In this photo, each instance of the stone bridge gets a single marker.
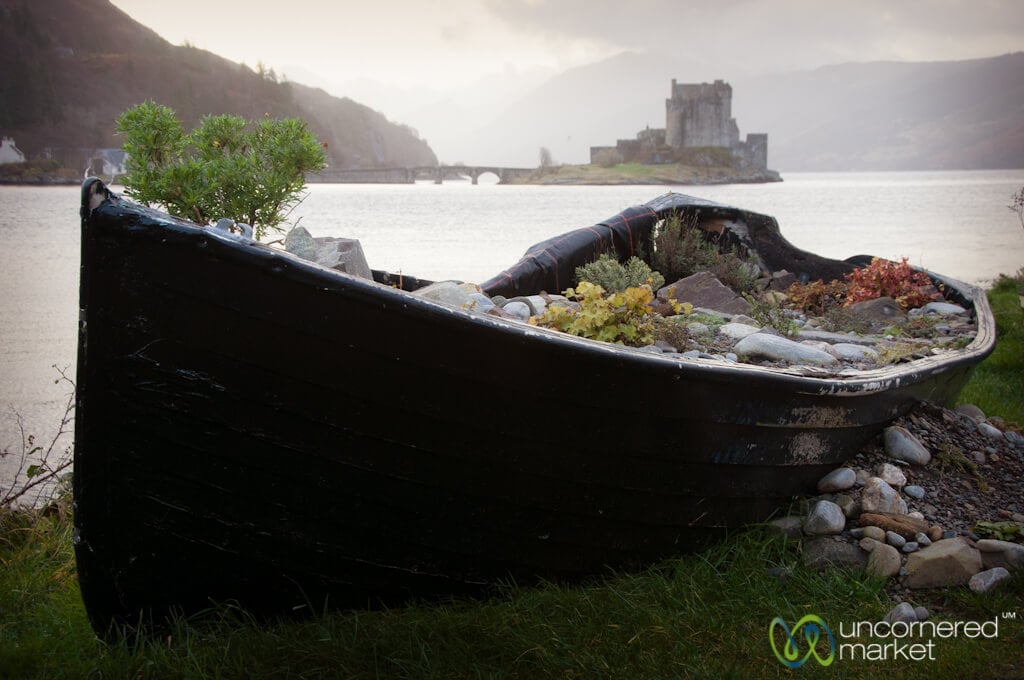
(438, 173)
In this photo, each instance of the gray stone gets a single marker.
(878, 496)
(943, 309)
(922, 539)
(894, 539)
(874, 533)
(834, 338)
(910, 546)
(344, 255)
(790, 526)
(450, 293)
(846, 351)
(884, 561)
(1015, 438)
(949, 562)
(862, 477)
(866, 544)
(901, 613)
(880, 310)
(737, 331)
(706, 291)
(891, 475)
(902, 445)
(914, 491)
(1001, 554)
(775, 348)
(849, 504)
(839, 479)
(990, 431)
(921, 613)
(697, 328)
(478, 302)
(971, 411)
(781, 280)
(823, 552)
(519, 310)
(300, 242)
(984, 581)
(825, 518)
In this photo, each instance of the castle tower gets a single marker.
(700, 115)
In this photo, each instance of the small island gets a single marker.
(700, 144)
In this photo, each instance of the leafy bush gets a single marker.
(625, 317)
(817, 297)
(250, 172)
(885, 278)
(615, 277)
(681, 249)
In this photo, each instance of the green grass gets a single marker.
(699, 616)
(995, 386)
(703, 615)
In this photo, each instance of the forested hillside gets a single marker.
(70, 67)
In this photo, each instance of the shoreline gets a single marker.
(640, 174)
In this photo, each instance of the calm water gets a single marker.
(955, 223)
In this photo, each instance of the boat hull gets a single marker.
(253, 428)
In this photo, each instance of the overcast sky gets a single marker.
(454, 42)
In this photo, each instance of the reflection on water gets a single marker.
(956, 223)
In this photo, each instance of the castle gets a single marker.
(696, 116)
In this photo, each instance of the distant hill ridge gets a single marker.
(954, 115)
(70, 67)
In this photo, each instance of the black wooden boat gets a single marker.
(258, 429)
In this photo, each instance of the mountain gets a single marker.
(870, 116)
(72, 66)
(891, 115)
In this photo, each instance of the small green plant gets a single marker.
(842, 320)
(885, 278)
(41, 470)
(1001, 531)
(625, 318)
(920, 326)
(950, 456)
(898, 352)
(769, 313)
(1017, 205)
(251, 172)
(616, 277)
(681, 248)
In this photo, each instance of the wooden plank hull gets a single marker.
(254, 428)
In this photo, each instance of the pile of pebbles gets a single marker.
(910, 506)
(722, 329)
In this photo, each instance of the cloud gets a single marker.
(765, 35)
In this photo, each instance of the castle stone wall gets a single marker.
(696, 115)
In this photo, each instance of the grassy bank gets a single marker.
(702, 615)
(995, 386)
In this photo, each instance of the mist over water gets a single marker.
(954, 223)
